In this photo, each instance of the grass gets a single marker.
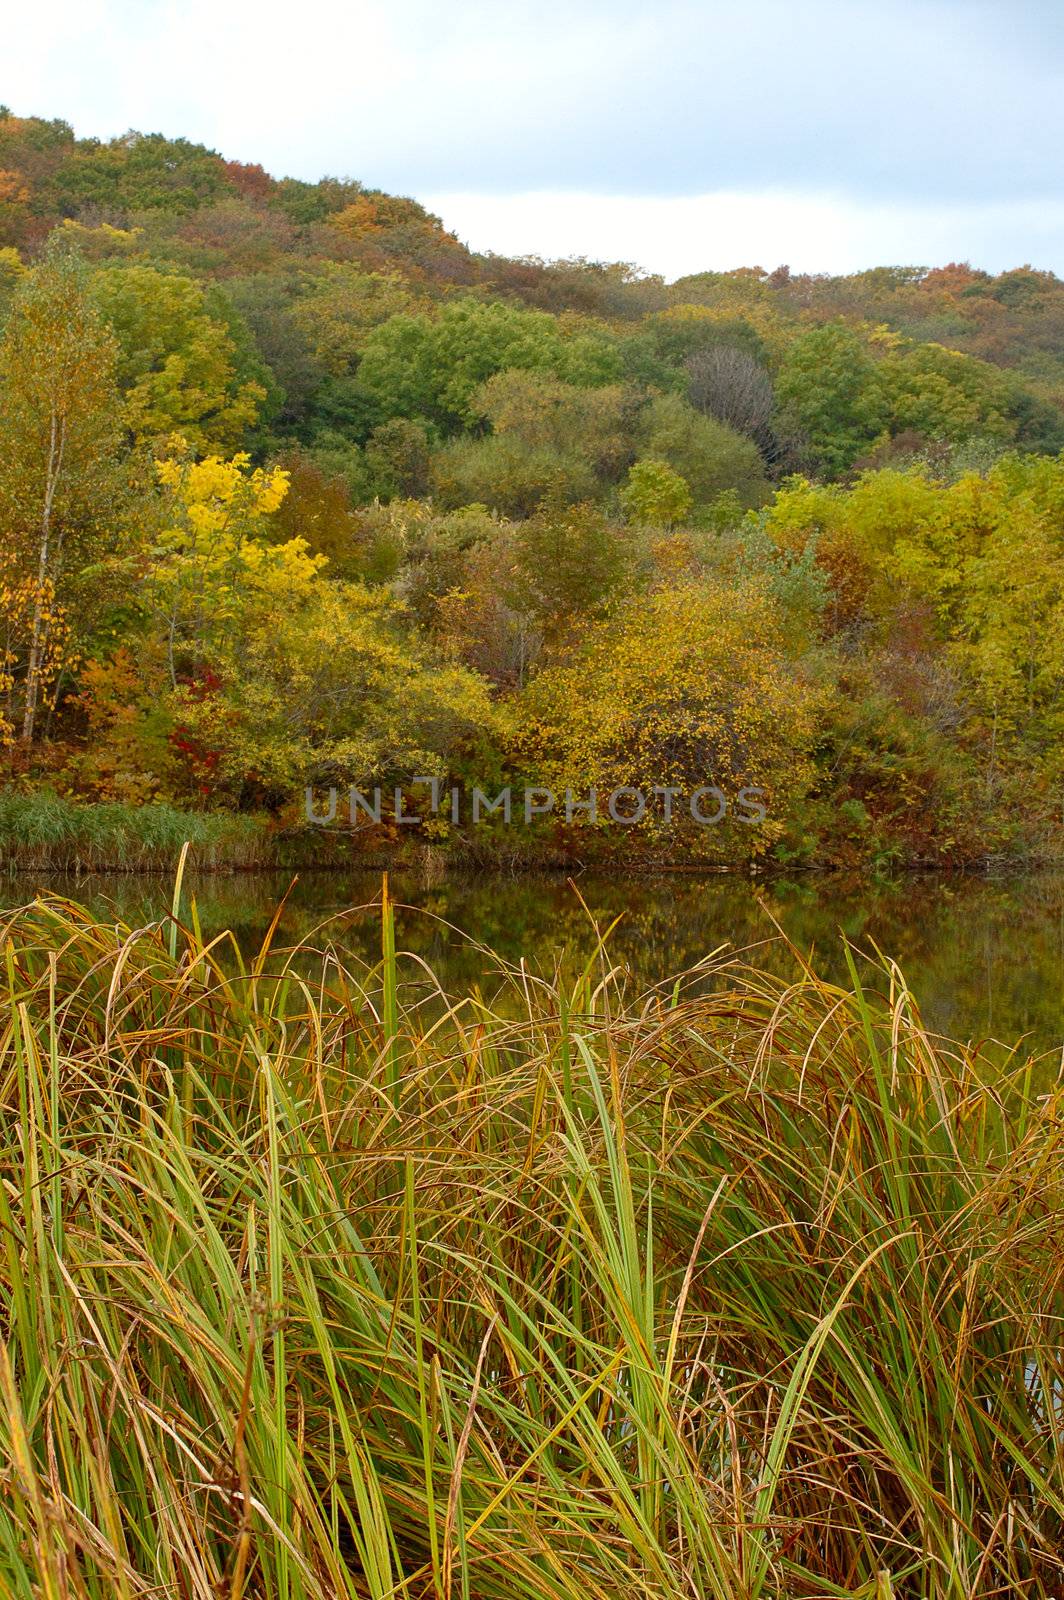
(317, 1283)
(46, 832)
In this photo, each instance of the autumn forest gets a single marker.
(296, 490)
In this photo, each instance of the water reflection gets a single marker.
(985, 956)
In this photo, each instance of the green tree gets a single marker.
(398, 458)
(943, 394)
(655, 494)
(830, 390)
(266, 303)
(711, 457)
(178, 364)
(569, 562)
(431, 367)
(338, 307)
(141, 172)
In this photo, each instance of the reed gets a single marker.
(46, 832)
(317, 1282)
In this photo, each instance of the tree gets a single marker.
(398, 458)
(211, 547)
(728, 383)
(543, 412)
(711, 457)
(432, 366)
(830, 390)
(507, 475)
(655, 495)
(141, 172)
(683, 331)
(317, 508)
(569, 562)
(319, 682)
(686, 687)
(987, 552)
(852, 534)
(339, 306)
(11, 270)
(59, 436)
(178, 366)
(943, 394)
(263, 675)
(267, 303)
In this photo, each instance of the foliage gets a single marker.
(830, 392)
(59, 487)
(177, 366)
(208, 552)
(510, 476)
(327, 687)
(427, 453)
(317, 509)
(419, 365)
(544, 413)
(710, 456)
(655, 495)
(569, 562)
(687, 687)
(141, 172)
(340, 305)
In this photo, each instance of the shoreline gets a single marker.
(984, 866)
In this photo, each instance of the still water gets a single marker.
(983, 955)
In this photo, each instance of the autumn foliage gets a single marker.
(296, 489)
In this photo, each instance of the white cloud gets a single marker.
(810, 233)
(817, 133)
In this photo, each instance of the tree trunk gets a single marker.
(39, 630)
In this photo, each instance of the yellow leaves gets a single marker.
(178, 363)
(287, 567)
(212, 549)
(11, 267)
(28, 610)
(883, 337)
(687, 686)
(211, 491)
(102, 239)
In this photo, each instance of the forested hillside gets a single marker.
(296, 489)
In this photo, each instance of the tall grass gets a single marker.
(44, 831)
(317, 1283)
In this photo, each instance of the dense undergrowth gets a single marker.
(317, 1282)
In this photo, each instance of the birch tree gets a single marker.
(59, 443)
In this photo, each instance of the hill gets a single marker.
(297, 489)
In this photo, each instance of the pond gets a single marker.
(984, 955)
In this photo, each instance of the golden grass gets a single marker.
(315, 1282)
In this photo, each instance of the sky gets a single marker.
(679, 135)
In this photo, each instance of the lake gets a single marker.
(983, 954)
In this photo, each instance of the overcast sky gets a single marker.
(676, 134)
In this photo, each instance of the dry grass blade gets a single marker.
(317, 1282)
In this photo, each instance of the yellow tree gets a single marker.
(692, 685)
(211, 546)
(59, 439)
